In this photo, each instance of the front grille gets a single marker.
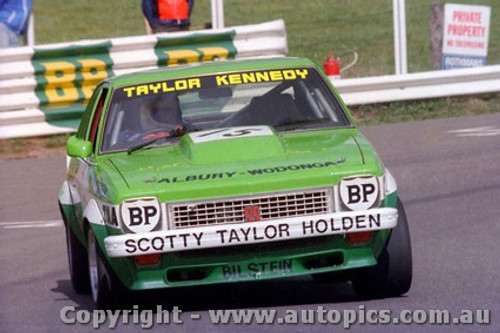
(243, 209)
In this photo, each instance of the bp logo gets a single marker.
(141, 215)
(359, 193)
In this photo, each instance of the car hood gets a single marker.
(240, 166)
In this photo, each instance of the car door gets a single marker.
(82, 171)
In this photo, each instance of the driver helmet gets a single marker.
(165, 112)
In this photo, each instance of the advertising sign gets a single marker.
(465, 40)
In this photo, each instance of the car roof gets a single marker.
(213, 67)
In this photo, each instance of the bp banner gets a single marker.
(465, 40)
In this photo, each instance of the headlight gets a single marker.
(141, 215)
(359, 193)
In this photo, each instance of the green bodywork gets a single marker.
(238, 167)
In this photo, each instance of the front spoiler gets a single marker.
(250, 233)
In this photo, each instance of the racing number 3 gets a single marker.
(230, 133)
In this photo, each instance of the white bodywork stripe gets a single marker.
(92, 213)
(390, 183)
(64, 194)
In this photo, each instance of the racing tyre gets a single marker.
(78, 263)
(330, 277)
(104, 285)
(392, 275)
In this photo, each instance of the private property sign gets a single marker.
(466, 31)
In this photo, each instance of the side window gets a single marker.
(94, 124)
(84, 122)
(83, 129)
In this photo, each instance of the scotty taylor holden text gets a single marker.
(258, 232)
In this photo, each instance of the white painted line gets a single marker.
(31, 224)
(477, 131)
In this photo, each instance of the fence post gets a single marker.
(217, 14)
(30, 34)
(436, 33)
(399, 17)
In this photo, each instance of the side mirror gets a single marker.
(78, 148)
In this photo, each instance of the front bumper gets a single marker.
(250, 233)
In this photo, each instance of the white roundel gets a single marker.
(141, 215)
(359, 193)
(230, 133)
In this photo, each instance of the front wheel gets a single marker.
(103, 283)
(392, 275)
(78, 262)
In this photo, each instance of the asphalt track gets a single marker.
(448, 174)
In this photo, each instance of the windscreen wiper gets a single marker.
(298, 124)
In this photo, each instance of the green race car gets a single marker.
(228, 171)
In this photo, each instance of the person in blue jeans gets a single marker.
(14, 17)
(167, 15)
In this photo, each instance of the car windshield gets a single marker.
(286, 99)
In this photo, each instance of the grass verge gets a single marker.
(426, 109)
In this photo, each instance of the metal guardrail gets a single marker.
(424, 85)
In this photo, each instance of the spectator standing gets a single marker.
(167, 15)
(14, 17)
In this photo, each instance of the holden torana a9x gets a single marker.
(227, 172)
